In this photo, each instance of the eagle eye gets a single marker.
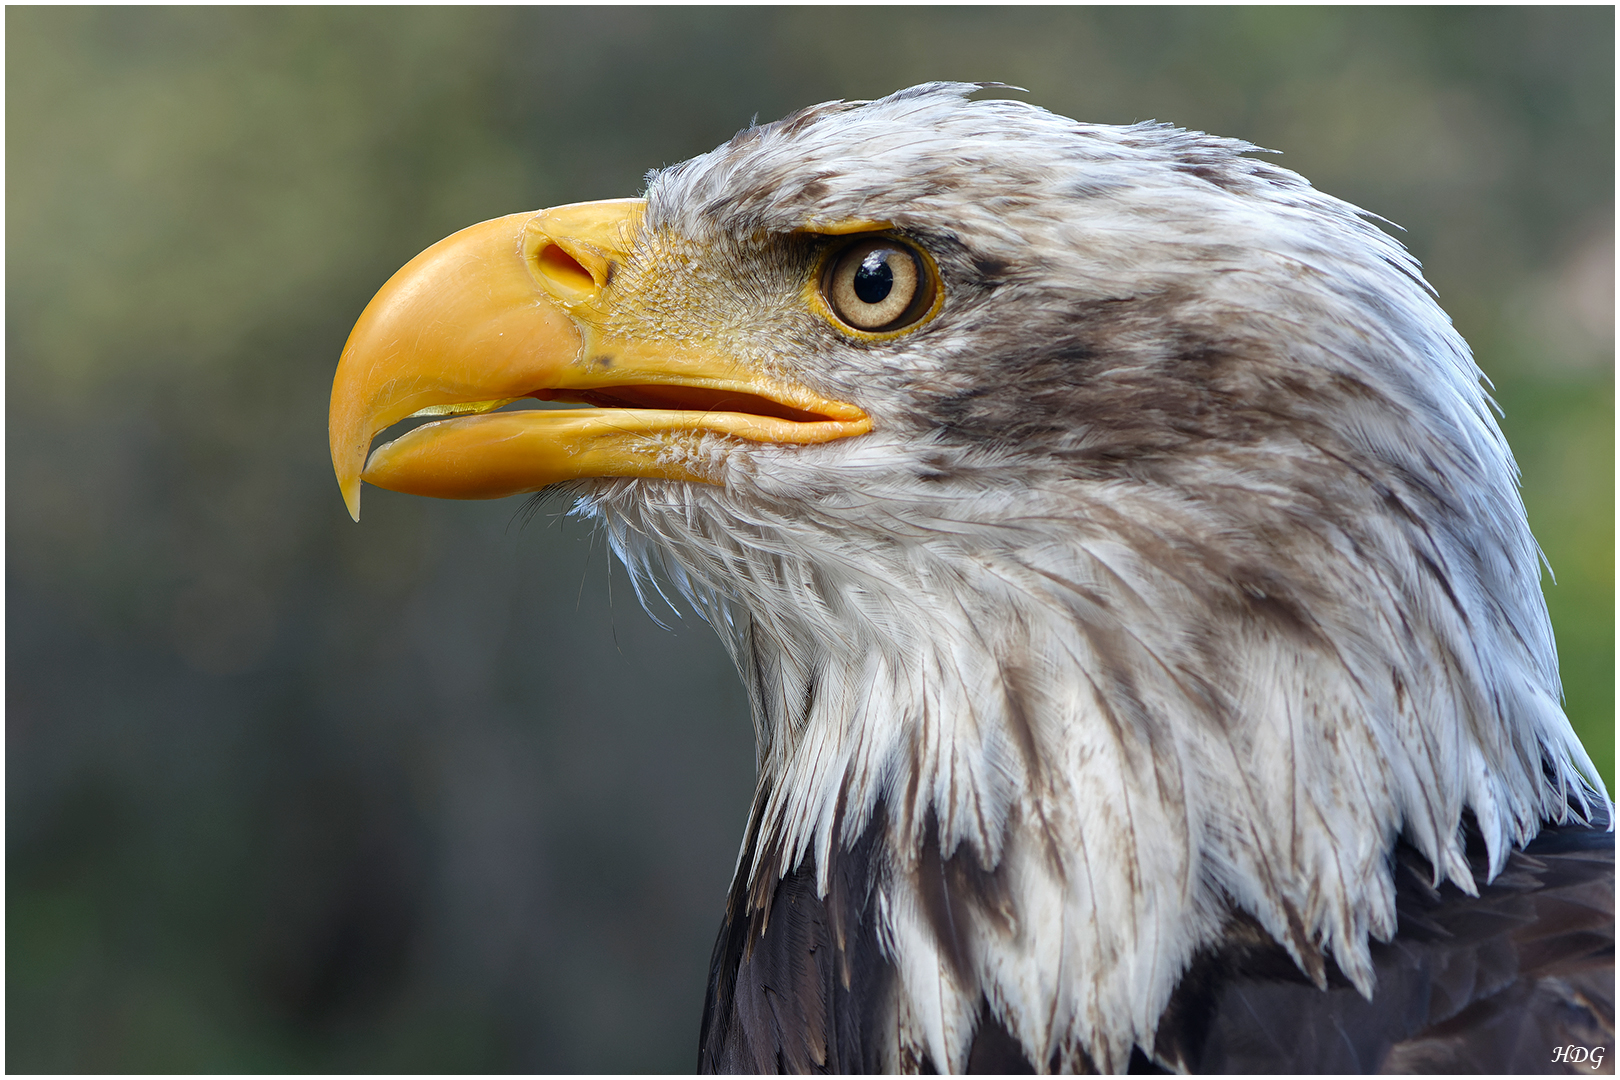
(878, 285)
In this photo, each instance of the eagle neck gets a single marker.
(1092, 748)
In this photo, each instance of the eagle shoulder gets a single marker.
(1491, 983)
(799, 982)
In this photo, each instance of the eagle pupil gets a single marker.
(874, 279)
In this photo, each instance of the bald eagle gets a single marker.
(1140, 621)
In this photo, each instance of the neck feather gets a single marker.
(1119, 741)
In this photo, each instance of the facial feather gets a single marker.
(1183, 570)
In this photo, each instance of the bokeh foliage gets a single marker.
(432, 793)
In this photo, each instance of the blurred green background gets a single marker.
(431, 792)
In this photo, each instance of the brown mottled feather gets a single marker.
(800, 985)
(1486, 984)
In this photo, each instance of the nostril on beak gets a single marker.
(565, 272)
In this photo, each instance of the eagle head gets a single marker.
(1110, 529)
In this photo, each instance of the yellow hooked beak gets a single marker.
(525, 306)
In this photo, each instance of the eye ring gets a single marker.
(878, 285)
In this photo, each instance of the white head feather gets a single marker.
(1183, 571)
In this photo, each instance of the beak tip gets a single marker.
(351, 497)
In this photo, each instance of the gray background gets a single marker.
(431, 792)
